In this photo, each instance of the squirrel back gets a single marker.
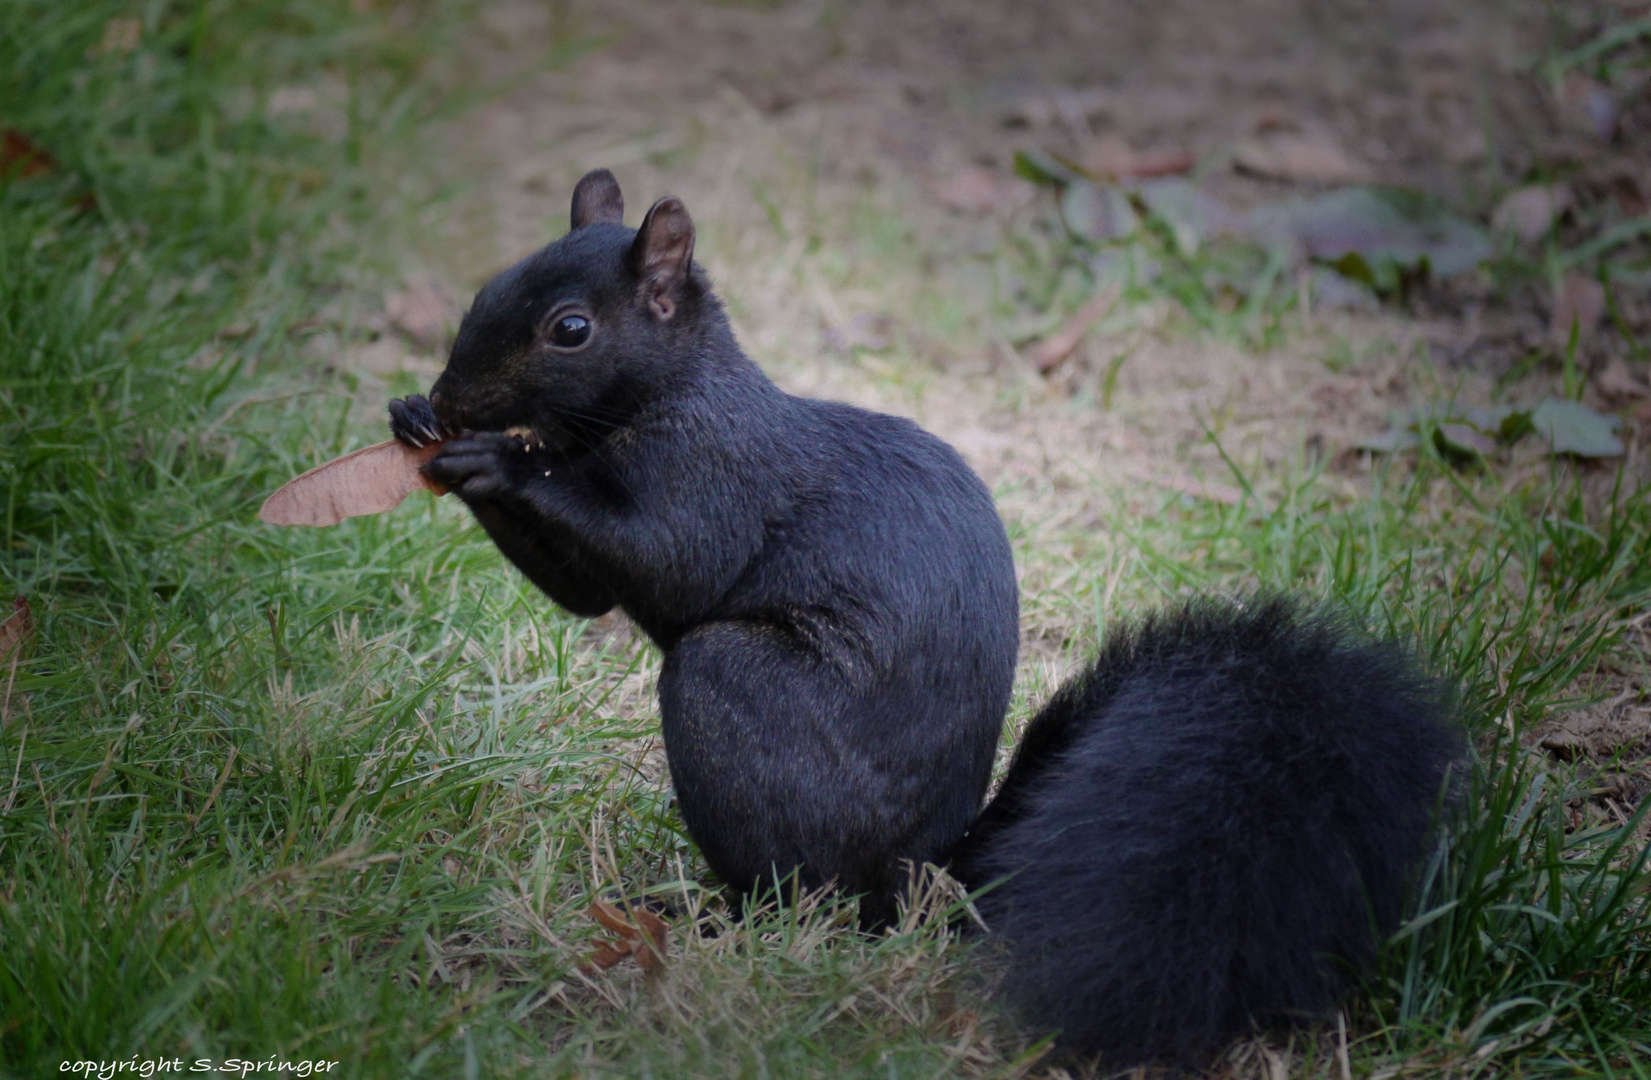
(1209, 829)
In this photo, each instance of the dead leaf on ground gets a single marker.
(1579, 301)
(1529, 212)
(1373, 234)
(1589, 105)
(15, 634)
(1059, 345)
(421, 313)
(1600, 732)
(1571, 427)
(22, 156)
(1098, 212)
(1270, 116)
(1467, 437)
(1113, 157)
(979, 190)
(1629, 188)
(1193, 215)
(1624, 178)
(17, 629)
(369, 481)
(1617, 381)
(647, 938)
(119, 36)
(1313, 158)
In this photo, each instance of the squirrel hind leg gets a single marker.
(785, 765)
(1211, 828)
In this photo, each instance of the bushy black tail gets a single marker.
(1209, 829)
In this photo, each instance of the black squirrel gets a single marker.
(1209, 829)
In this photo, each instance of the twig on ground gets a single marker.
(1049, 353)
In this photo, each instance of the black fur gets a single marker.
(831, 588)
(1211, 828)
(1191, 831)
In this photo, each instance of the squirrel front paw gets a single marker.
(413, 422)
(480, 465)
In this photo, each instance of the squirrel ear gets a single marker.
(661, 255)
(596, 200)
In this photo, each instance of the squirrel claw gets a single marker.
(413, 422)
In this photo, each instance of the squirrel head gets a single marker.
(583, 333)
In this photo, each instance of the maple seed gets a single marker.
(368, 481)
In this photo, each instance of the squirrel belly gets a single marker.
(1209, 829)
(1212, 828)
(837, 716)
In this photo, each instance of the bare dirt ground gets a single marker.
(814, 143)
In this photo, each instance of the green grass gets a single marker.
(1529, 946)
(346, 794)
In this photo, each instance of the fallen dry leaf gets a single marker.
(1099, 212)
(605, 957)
(1529, 212)
(22, 156)
(1589, 105)
(1388, 229)
(1579, 300)
(1459, 437)
(1629, 193)
(1059, 345)
(647, 939)
(16, 630)
(1617, 380)
(980, 190)
(15, 634)
(1600, 732)
(1271, 116)
(119, 36)
(1299, 157)
(1113, 157)
(368, 481)
(1624, 178)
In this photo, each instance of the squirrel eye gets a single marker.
(570, 331)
